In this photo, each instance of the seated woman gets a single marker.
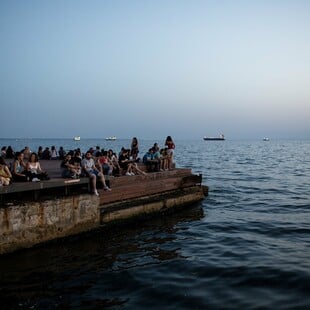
(5, 174)
(136, 170)
(19, 170)
(104, 163)
(34, 170)
(69, 168)
(114, 160)
(127, 165)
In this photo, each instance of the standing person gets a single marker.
(134, 148)
(170, 151)
(5, 174)
(88, 166)
(54, 154)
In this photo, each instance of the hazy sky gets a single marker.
(155, 68)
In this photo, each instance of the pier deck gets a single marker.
(131, 186)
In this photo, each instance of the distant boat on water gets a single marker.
(111, 138)
(220, 138)
(265, 139)
(77, 138)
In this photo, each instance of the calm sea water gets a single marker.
(246, 246)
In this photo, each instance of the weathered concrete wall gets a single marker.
(27, 224)
(152, 205)
(31, 223)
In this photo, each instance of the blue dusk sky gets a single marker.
(150, 69)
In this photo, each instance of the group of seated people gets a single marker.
(46, 153)
(22, 171)
(95, 164)
(157, 159)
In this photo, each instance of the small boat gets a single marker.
(220, 138)
(111, 138)
(265, 139)
(77, 138)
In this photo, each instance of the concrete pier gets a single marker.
(54, 212)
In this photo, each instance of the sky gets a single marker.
(149, 69)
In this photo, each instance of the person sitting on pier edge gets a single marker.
(5, 174)
(163, 159)
(88, 166)
(34, 170)
(104, 163)
(124, 162)
(171, 146)
(152, 164)
(19, 171)
(136, 170)
(128, 164)
(114, 161)
(156, 158)
(69, 168)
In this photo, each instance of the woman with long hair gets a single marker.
(35, 172)
(170, 151)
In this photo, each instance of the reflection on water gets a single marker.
(59, 272)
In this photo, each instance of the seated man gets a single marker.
(69, 168)
(89, 168)
(152, 163)
(156, 159)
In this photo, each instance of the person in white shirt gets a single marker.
(89, 167)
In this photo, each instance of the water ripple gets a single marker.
(246, 246)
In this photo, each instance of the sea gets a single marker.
(245, 246)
